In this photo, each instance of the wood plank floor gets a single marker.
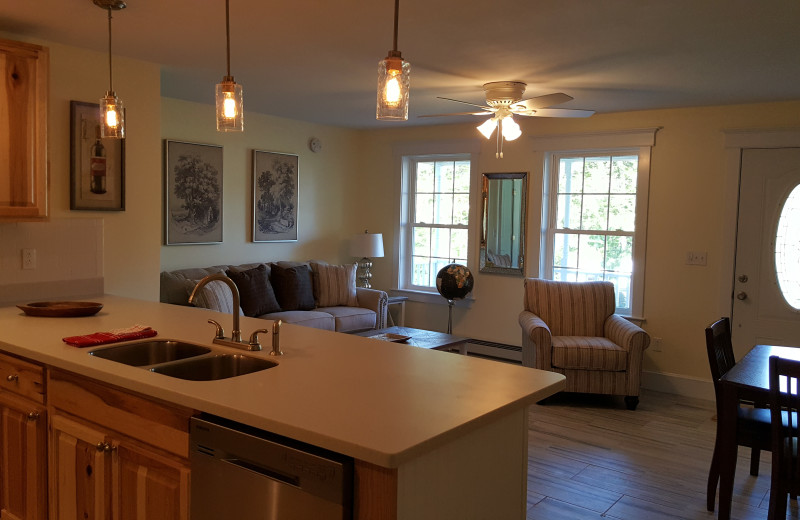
(590, 458)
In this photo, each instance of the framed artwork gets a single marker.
(192, 193)
(275, 184)
(97, 166)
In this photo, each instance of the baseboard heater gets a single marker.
(494, 349)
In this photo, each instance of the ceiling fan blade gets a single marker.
(485, 113)
(547, 100)
(561, 112)
(484, 107)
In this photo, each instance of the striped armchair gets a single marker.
(571, 328)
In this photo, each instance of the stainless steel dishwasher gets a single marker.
(248, 474)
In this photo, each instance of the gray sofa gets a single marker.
(368, 312)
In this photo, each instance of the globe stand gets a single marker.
(450, 304)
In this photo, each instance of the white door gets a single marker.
(766, 303)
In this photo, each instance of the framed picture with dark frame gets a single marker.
(97, 165)
(192, 193)
(275, 197)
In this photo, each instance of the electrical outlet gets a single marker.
(655, 344)
(696, 257)
(29, 259)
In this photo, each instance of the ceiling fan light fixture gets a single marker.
(510, 128)
(394, 81)
(487, 127)
(112, 114)
(229, 98)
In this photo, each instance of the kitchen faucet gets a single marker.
(236, 334)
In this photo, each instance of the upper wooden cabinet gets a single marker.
(23, 130)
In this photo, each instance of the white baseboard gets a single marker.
(677, 384)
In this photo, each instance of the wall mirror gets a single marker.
(503, 223)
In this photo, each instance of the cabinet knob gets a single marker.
(105, 446)
(742, 296)
(33, 416)
(12, 377)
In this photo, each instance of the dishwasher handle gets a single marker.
(265, 472)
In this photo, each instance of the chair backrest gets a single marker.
(720, 350)
(570, 308)
(784, 401)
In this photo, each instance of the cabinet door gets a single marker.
(23, 464)
(148, 485)
(80, 471)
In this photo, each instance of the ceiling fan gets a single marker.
(504, 100)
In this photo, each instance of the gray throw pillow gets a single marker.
(255, 291)
(293, 287)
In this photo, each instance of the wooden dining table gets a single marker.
(748, 380)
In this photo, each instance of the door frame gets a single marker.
(735, 142)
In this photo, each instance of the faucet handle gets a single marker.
(254, 343)
(220, 333)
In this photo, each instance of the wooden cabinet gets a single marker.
(23, 130)
(23, 441)
(114, 454)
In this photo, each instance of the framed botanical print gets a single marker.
(97, 165)
(275, 198)
(192, 193)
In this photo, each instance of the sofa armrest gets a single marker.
(537, 341)
(627, 335)
(375, 300)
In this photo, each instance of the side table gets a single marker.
(400, 301)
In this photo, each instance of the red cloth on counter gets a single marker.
(113, 336)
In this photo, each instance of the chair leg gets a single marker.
(755, 456)
(713, 481)
(631, 401)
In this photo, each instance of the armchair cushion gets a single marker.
(588, 353)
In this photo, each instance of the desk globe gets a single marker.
(454, 282)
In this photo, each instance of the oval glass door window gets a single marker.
(787, 249)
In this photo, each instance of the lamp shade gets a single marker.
(367, 245)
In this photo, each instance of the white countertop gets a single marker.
(384, 403)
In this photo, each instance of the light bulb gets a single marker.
(111, 117)
(229, 106)
(391, 93)
(511, 129)
(488, 127)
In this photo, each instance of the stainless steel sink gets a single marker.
(209, 368)
(150, 352)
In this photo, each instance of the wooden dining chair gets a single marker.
(754, 422)
(784, 406)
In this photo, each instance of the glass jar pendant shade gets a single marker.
(394, 80)
(229, 100)
(112, 113)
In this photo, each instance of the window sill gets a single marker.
(430, 297)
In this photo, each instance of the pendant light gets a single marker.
(393, 82)
(112, 113)
(230, 109)
(508, 129)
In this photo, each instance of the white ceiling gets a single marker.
(316, 60)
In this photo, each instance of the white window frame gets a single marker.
(405, 155)
(636, 142)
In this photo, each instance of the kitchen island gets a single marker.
(446, 434)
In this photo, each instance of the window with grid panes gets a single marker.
(437, 226)
(592, 223)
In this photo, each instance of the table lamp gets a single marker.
(367, 246)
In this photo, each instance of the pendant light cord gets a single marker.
(110, 75)
(396, 15)
(228, 35)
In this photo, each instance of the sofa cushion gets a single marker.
(334, 284)
(588, 353)
(351, 319)
(214, 295)
(255, 291)
(293, 287)
(315, 319)
(173, 283)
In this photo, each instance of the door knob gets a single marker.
(741, 296)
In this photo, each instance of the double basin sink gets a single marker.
(183, 360)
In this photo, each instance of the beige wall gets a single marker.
(686, 210)
(131, 252)
(327, 218)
